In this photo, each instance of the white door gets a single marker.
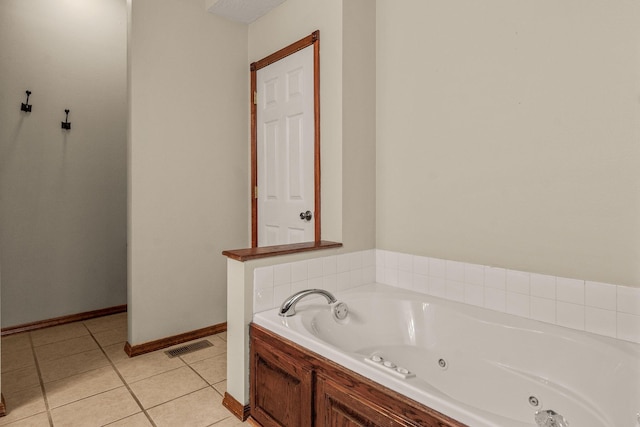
(285, 150)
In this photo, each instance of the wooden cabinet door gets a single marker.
(281, 388)
(337, 406)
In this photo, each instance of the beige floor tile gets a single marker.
(222, 338)
(140, 367)
(17, 359)
(23, 404)
(218, 347)
(167, 386)
(39, 420)
(96, 410)
(105, 323)
(221, 387)
(111, 336)
(53, 370)
(19, 379)
(201, 408)
(83, 389)
(16, 342)
(115, 352)
(65, 348)
(213, 369)
(137, 420)
(80, 386)
(58, 333)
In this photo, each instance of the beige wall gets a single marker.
(347, 96)
(508, 134)
(347, 113)
(358, 124)
(62, 194)
(289, 22)
(188, 174)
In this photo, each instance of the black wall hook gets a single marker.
(66, 125)
(25, 105)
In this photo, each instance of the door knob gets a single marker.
(306, 216)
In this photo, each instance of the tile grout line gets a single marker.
(201, 377)
(177, 397)
(208, 385)
(186, 364)
(124, 382)
(41, 381)
(135, 398)
(180, 397)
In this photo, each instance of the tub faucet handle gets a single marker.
(550, 418)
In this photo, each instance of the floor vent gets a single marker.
(189, 348)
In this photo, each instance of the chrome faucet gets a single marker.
(288, 307)
(550, 418)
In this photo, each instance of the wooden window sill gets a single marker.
(271, 251)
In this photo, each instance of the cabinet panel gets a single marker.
(338, 407)
(285, 388)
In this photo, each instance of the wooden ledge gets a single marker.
(271, 251)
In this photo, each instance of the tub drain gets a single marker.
(442, 363)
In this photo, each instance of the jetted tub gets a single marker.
(480, 367)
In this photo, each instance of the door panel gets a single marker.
(295, 138)
(270, 163)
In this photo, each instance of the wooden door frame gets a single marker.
(311, 40)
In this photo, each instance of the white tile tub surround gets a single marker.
(273, 284)
(600, 308)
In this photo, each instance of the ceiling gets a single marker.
(245, 11)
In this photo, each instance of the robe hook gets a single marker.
(26, 107)
(66, 125)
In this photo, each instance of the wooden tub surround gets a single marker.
(291, 386)
(236, 407)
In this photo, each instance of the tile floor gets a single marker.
(79, 375)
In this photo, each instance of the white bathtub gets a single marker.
(495, 364)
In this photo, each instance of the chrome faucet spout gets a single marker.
(288, 307)
(550, 418)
